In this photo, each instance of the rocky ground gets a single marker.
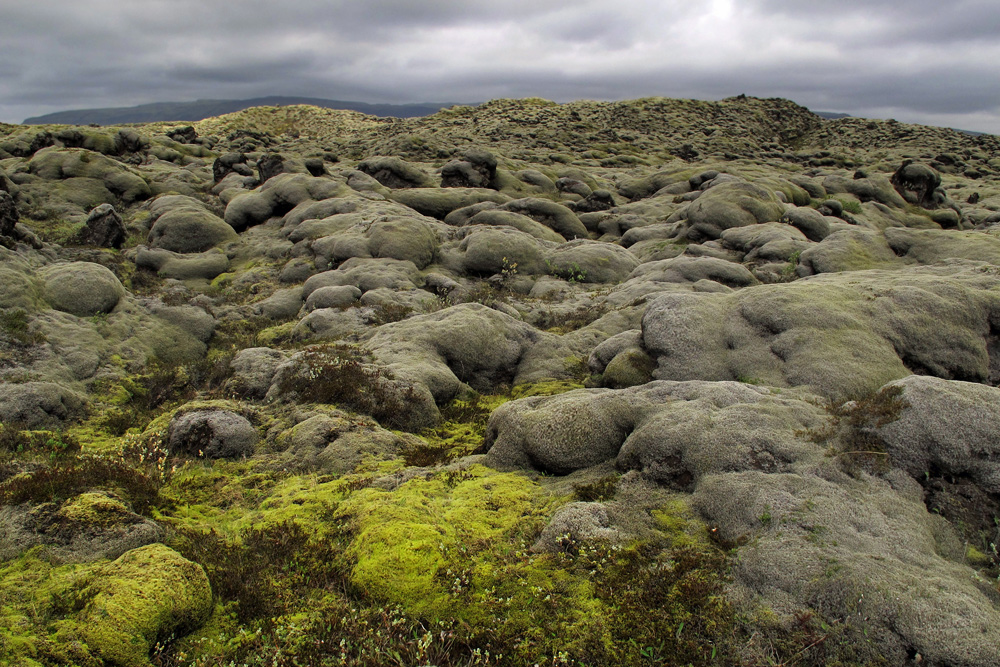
(653, 382)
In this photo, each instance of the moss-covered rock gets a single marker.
(146, 595)
(65, 163)
(591, 262)
(866, 330)
(183, 224)
(82, 288)
(439, 202)
(730, 204)
(38, 404)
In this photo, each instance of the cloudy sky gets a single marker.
(921, 61)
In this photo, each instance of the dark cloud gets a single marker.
(922, 59)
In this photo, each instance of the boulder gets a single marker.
(212, 434)
(841, 335)
(88, 527)
(366, 274)
(497, 218)
(848, 250)
(252, 371)
(333, 296)
(395, 173)
(334, 443)
(574, 523)
(230, 163)
(946, 428)
(345, 377)
(184, 225)
(927, 246)
(60, 164)
(403, 238)
(686, 269)
(770, 242)
(491, 250)
(283, 304)
(591, 262)
(82, 288)
(477, 168)
(146, 594)
(598, 200)
(439, 202)
(731, 204)
(270, 165)
(465, 344)
(39, 405)
(810, 222)
(278, 196)
(189, 266)
(674, 432)
(555, 216)
(105, 228)
(918, 184)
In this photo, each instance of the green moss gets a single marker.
(30, 590)
(147, 594)
(276, 335)
(977, 558)
(95, 509)
(460, 432)
(680, 526)
(405, 538)
(546, 388)
(94, 434)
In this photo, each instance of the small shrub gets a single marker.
(602, 489)
(344, 375)
(136, 472)
(852, 429)
(264, 570)
(561, 322)
(385, 313)
(14, 323)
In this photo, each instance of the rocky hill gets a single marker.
(654, 382)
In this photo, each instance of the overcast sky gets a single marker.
(921, 61)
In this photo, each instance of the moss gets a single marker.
(31, 589)
(460, 432)
(15, 324)
(405, 538)
(276, 335)
(94, 433)
(95, 509)
(146, 595)
(977, 558)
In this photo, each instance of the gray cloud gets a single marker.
(922, 61)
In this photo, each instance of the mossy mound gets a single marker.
(110, 613)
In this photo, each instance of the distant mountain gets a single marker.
(832, 115)
(201, 109)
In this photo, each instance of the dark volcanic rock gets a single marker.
(476, 169)
(918, 184)
(105, 227)
(8, 214)
(269, 166)
(229, 163)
